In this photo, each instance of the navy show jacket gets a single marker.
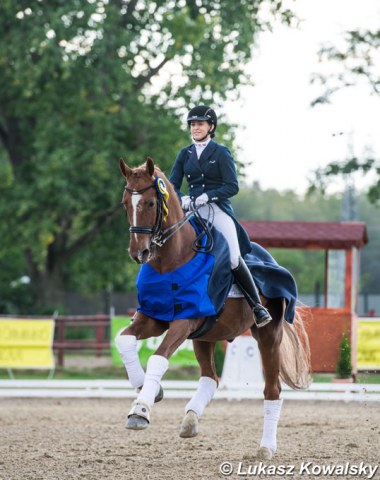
(214, 174)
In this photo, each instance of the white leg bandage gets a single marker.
(203, 396)
(272, 411)
(155, 370)
(127, 346)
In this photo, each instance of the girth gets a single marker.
(205, 327)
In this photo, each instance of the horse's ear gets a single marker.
(150, 166)
(125, 170)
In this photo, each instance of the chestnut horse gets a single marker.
(161, 236)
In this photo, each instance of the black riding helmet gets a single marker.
(203, 113)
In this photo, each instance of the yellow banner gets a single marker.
(368, 344)
(26, 343)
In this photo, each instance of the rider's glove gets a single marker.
(201, 200)
(185, 202)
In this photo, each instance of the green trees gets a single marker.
(83, 82)
(357, 62)
(252, 203)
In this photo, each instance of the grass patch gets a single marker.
(368, 378)
(89, 367)
(362, 377)
(98, 373)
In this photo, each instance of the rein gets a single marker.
(159, 235)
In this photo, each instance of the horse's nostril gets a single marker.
(143, 255)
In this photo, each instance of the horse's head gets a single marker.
(144, 204)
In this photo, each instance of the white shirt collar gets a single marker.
(202, 144)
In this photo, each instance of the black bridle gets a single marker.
(159, 235)
(156, 231)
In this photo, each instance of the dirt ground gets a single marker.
(86, 439)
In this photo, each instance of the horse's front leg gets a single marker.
(139, 416)
(126, 342)
(208, 383)
(269, 340)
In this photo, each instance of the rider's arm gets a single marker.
(229, 183)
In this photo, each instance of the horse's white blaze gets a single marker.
(135, 201)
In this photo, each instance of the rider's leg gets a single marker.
(245, 281)
(224, 224)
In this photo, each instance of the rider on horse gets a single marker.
(210, 172)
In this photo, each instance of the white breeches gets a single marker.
(226, 226)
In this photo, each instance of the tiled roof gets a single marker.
(318, 235)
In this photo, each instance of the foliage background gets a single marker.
(77, 91)
(80, 86)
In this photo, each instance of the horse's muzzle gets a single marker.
(141, 256)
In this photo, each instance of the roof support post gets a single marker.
(348, 280)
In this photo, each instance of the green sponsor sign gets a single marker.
(183, 356)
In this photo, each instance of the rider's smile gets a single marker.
(199, 130)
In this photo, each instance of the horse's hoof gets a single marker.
(135, 422)
(189, 427)
(264, 453)
(139, 416)
(160, 395)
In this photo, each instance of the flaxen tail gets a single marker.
(295, 366)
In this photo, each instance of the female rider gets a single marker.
(210, 172)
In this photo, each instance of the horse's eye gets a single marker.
(151, 203)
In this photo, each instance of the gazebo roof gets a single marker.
(304, 235)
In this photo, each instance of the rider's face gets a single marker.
(199, 129)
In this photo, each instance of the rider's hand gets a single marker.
(201, 200)
(185, 202)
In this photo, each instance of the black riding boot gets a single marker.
(245, 281)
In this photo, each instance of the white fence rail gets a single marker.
(182, 389)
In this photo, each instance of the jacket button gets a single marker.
(203, 185)
(191, 186)
(188, 176)
(202, 175)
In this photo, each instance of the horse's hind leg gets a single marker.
(208, 383)
(269, 340)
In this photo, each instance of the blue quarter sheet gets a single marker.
(272, 280)
(199, 288)
(196, 289)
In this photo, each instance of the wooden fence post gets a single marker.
(61, 339)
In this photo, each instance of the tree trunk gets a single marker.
(49, 290)
(48, 284)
